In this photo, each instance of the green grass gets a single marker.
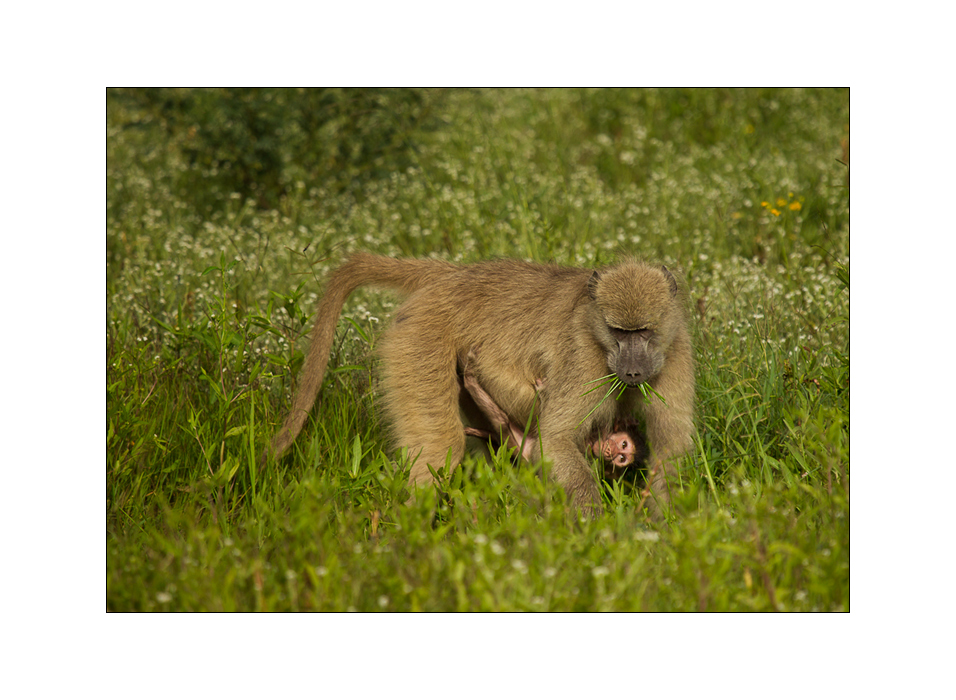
(211, 281)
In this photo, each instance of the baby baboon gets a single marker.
(570, 325)
(618, 449)
(501, 426)
(621, 448)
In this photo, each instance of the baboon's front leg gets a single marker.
(670, 432)
(573, 472)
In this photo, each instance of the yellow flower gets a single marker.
(795, 206)
(781, 202)
(775, 212)
(765, 204)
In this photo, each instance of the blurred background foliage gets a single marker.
(258, 141)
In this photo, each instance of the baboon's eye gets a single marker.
(619, 333)
(624, 334)
(623, 444)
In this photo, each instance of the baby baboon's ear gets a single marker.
(671, 279)
(592, 284)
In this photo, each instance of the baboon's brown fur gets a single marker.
(569, 325)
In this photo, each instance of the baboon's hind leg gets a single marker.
(421, 395)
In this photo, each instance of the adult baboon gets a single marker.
(619, 449)
(570, 325)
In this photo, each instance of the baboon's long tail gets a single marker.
(403, 275)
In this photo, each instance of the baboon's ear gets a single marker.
(592, 284)
(671, 279)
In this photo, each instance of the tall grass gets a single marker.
(209, 296)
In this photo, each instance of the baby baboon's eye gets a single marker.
(623, 444)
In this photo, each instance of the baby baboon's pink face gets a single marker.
(615, 449)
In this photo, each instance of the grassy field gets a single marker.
(225, 212)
